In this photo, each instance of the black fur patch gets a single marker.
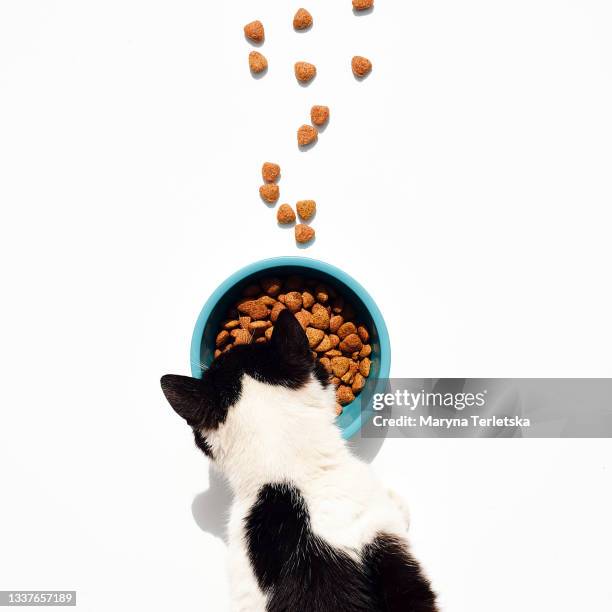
(202, 443)
(299, 571)
(285, 361)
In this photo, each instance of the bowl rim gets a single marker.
(307, 262)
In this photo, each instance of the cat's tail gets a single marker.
(397, 577)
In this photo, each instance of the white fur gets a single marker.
(275, 434)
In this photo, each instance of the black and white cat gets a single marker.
(311, 530)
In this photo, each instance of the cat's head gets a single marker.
(257, 403)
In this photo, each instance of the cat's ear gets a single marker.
(289, 339)
(185, 395)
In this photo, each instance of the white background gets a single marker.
(466, 183)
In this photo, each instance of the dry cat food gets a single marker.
(270, 193)
(305, 72)
(337, 340)
(257, 62)
(363, 5)
(361, 66)
(302, 19)
(304, 233)
(254, 31)
(319, 115)
(306, 209)
(306, 135)
(285, 214)
(270, 172)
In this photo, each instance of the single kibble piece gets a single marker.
(302, 19)
(306, 209)
(271, 286)
(270, 172)
(344, 395)
(308, 299)
(303, 233)
(361, 66)
(254, 309)
(270, 193)
(305, 72)
(306, 135)
(319, 115)
(293, 301)
(363, 5)
(257, 62)
(285, 214)
(254, 31)
(351, 343)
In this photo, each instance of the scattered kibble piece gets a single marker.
(306, 135)
(257, 62)
(285, 214)
(319, 115)
(363, 5)
(270, 172)
(302, 19)
(305, 72)
(361, 66)
(270, 193)
(304, 233)
(254, 31)
(306, 209)
(344, 395)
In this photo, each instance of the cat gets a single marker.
(311, 530)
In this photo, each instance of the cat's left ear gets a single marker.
(185, 395)
(289, 339)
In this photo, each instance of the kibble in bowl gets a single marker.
(343, 325)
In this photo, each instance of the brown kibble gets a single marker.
(306, 209)
(344, 395)
(333, 353)
(340, 366)
(276, 310)
(305, 72)
(244, 322)
(306, 135)
(302, 19)
(217, 353)
(335, 381)
(285, 214)
(334, 340)
(351, 343)
(364, 367)
(267, 300)
(241, 336)
(361, 66)
(254, 31)
(307, 299)
(320, 319)
(304, 233)
(314, 336)
(319, 115)
(259, 326)
(232, 324)
(257, 62)
(335, 322)
(363, 5)
(322, 294)
(304, 318)
(358, 383)
(337, 305)
(282, 298)
(363, 333)
(345, 329)
(339, 409)
(222, 338)
(254, 309)
(293, 301)
(268, 333)
(269, 192)
(324, 346)
(326, 363)
(270, 172)
(271, 286)
(366, 351)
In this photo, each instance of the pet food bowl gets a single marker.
(230, 291)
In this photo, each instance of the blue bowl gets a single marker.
(230, 291)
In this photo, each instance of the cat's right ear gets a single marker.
(185, 395)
